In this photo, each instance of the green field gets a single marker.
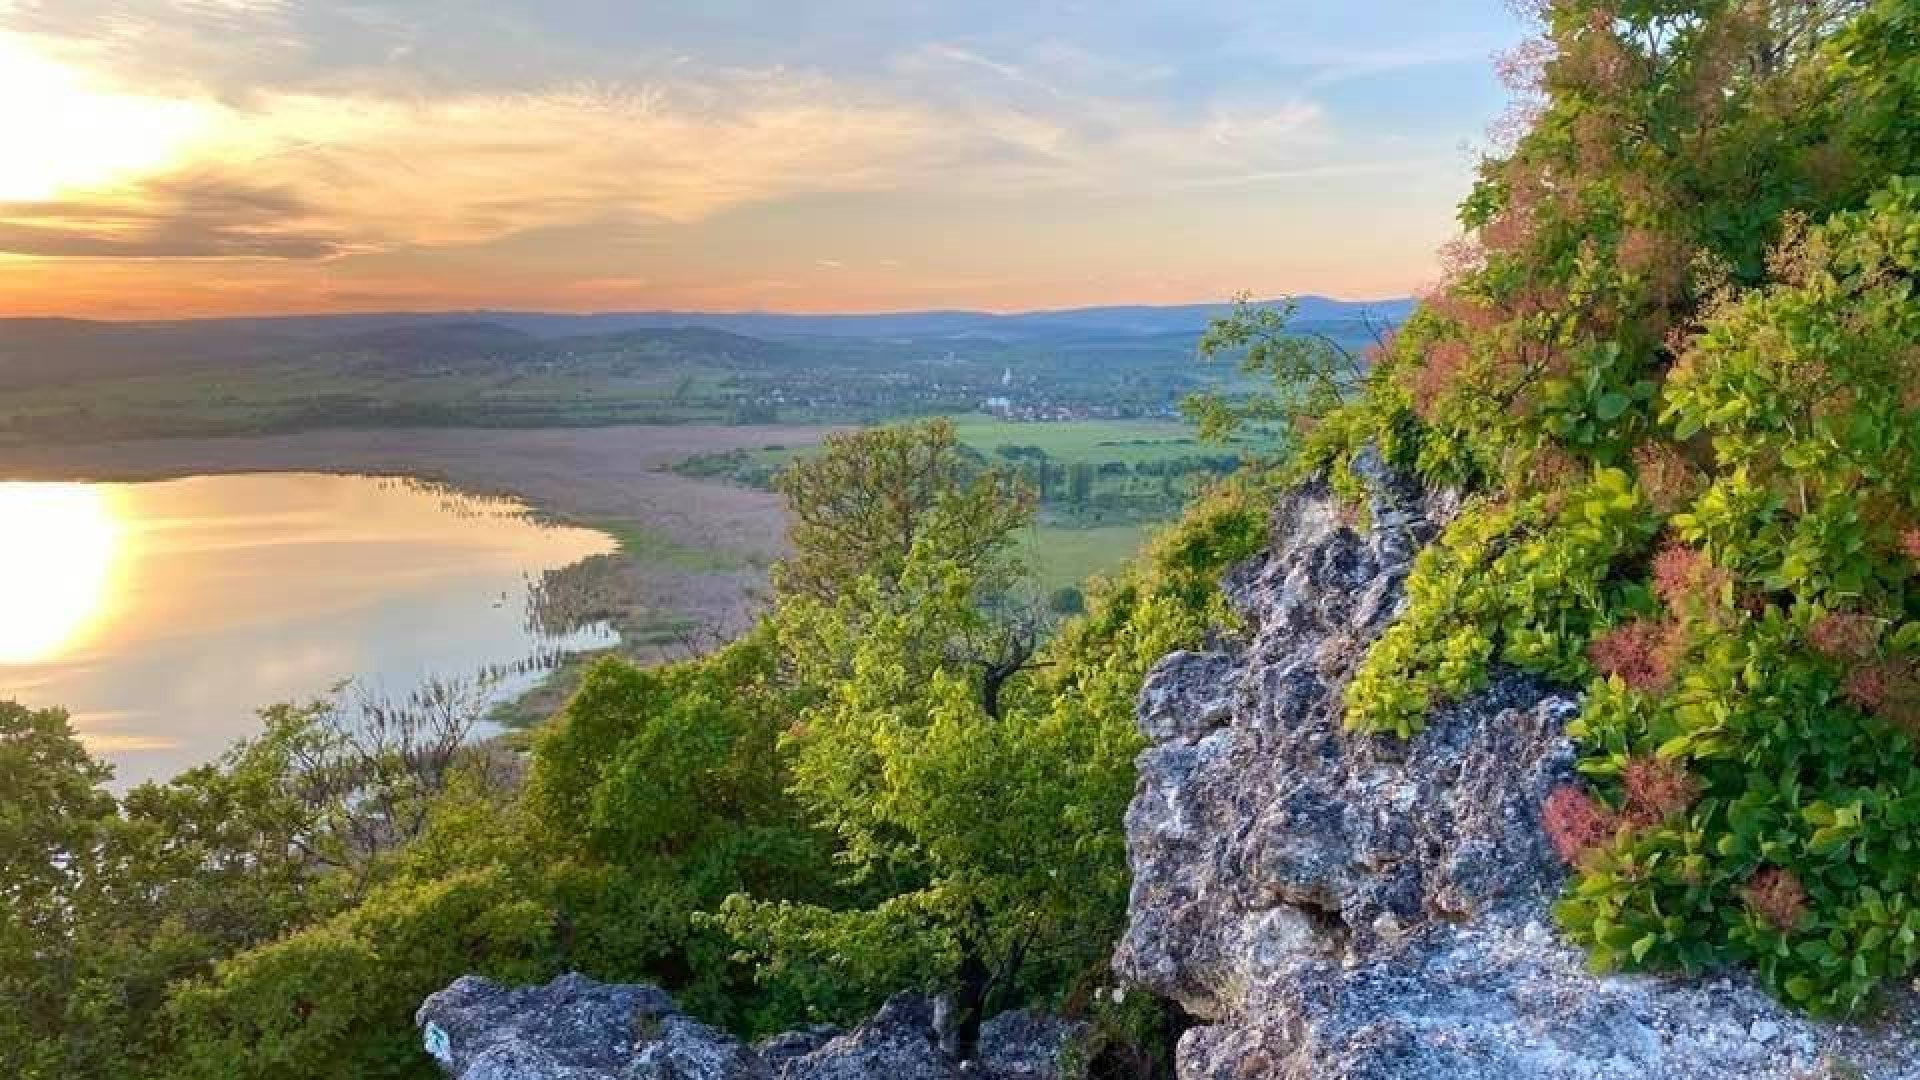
(1064, 555)
(1097, 441)
(1131, 475)
(1129, 442)
(303, 396)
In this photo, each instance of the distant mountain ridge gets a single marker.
(1134, 318)
(35, 351)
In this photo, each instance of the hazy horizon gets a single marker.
(797, 313)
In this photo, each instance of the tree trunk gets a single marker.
(970, 1000)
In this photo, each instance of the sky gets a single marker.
(171, 158)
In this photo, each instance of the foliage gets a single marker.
(337, 999)
(1525, 585)
(53, 819)
(1677, 367)
(668, 785)
(974, 786)
(918, 749)
(864, 506)
(116, 901)
(1311, 373)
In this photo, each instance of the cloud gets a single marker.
(303, 176)
(468, 168)
(186, 216)
(486, 150)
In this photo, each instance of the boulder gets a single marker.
(577, 1029)
(1333, 906)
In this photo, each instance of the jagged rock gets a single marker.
(777, 1050)
(577, 1029)
(571, 1029)
(901, 1042)
(1332, 906)
(1027, 1044)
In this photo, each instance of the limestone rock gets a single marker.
(1331, 906)
(577, 1029)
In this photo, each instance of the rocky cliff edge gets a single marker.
(1332, 906)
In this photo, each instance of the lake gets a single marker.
(162, 615)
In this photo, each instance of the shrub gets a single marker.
(337, 999)
(1677, 371)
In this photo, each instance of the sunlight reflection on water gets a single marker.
(162, 615)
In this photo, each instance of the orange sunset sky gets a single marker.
(200, 157)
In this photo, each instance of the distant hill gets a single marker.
(53, 352)
(1142, 320)
(674, 344)
(434, 344)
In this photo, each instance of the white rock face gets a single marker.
(577, 1029)
(1341, 907)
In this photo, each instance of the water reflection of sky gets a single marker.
(162, 615)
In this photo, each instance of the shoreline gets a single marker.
(690, 555)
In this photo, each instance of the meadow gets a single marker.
(1108, 482)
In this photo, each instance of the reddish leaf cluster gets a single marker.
(1460, 258)
(1641, 653)
(1523, 68)
(1870, 687)
(1844, 636)
(1553, 469)
(1682, 574)
(1596, 140)
(1657, 789)
(1441, 368)
(1455, 306)
(1529, 196)
(1596, 61)
(1655, 258)
(1910, 543)
(1666, 477)
(1576, 823)
(1777, 896)
(1889, 689)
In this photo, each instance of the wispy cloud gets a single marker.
(362, 173)
(184, 216)
(395, 145)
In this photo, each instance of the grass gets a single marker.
(303, 395)
(1097, 441)
(1070, 544)
(651, 547)
(1064, 555)
(1069, 441)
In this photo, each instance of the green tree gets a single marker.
(667, 788)
(863, 506)
(958, 797)
(54, 820)
(1310, 373)
(974, 778)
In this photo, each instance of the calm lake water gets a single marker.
(161, 615)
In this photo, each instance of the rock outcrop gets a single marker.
(577, 1029)
(1330, 906)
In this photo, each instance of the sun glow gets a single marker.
(65, 132)
(58, 547)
